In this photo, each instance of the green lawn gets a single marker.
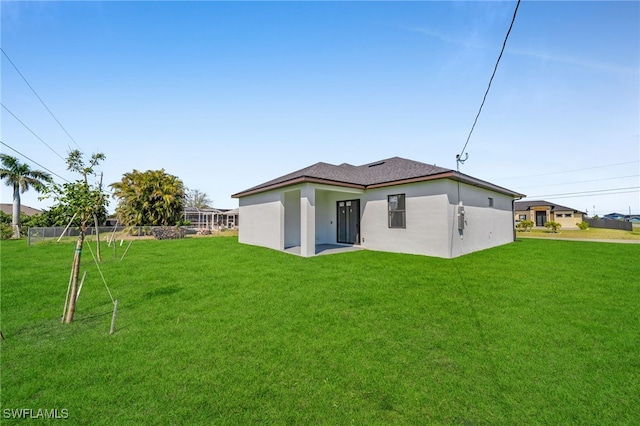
(213, 332)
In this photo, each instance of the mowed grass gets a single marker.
(209, 331)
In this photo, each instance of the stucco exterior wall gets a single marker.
(426, 229)
(567, 222)
(485, 225)
(306, 215)
(262, 218)
(292, 218)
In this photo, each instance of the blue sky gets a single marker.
(228, 95)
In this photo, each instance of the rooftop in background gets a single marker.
(526, 205)
(29, 211)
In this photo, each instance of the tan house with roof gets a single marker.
(540, 212)
(395, 205)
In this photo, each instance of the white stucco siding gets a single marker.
(325, 217)
(426, 229)
(291, 218)
(262, 217)
(485, 225)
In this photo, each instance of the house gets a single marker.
(614, 216)
(540, 212)
(26, 210)
(394, 205)
(211, 218)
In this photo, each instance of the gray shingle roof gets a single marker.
(381, 172)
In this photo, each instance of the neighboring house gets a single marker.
(540, 212)
(394, 205)
(29, 211)
(211, 218)
(633, 218)
(614, 216)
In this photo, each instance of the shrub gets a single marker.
(525, 225)
(168, 232)
(6, 231)
(583, 225)
(553, 226)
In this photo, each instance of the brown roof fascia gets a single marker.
(302, 179)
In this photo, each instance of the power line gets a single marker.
(504, 44)
(34, 162)
(581, 181)
(596, 192)
(39, 98)
(570, 171)
(588, 195)
(32, 132)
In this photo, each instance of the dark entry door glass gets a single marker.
(349, 221)
(541, 218)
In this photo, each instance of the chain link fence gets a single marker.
(40, 234)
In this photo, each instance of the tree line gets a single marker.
(150, 198)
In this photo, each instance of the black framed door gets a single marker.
(541, 218)
(348, 221)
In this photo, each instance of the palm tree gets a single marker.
(151, 198)
(21, 178)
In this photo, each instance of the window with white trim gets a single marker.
(397, 211)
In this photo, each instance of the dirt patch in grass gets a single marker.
(588, 234)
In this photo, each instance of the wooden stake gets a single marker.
(66, 299)
(125, 252)
(81, 282)
(113, 318)
(65, 229)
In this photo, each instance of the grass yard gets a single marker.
(213, 332)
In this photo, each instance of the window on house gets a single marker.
(490, 202)
(523, 217)
(397, 212)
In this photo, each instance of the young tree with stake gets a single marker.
(87, 202)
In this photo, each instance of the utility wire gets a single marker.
(551, 197)
(581, 181)
(32, 132)
(39, 98)
(629, 188)
(569, 171)
(34, 162)
(504, 44)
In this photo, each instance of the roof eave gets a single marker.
(450, 174)
(298, 180)
(453, 175)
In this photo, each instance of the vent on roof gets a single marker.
(376, 164)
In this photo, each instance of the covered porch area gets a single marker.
(321, 219)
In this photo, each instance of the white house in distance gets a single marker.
(394, 205)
